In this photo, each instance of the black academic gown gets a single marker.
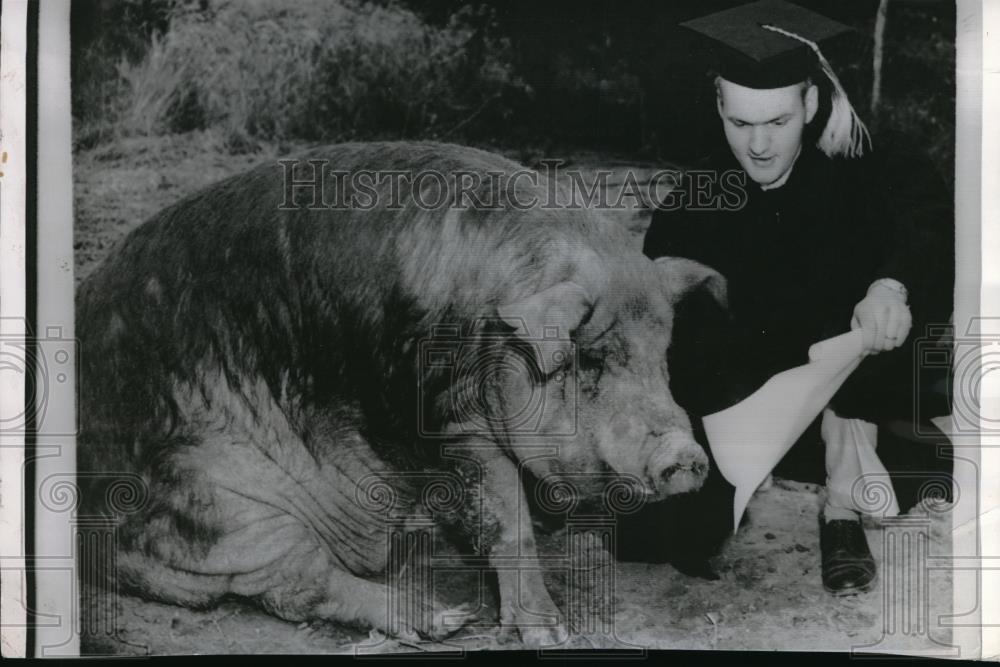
(797, 259)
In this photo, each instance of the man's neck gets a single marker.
(784, 177)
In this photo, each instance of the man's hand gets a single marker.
(883, 317)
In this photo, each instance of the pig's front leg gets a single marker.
(505, 535)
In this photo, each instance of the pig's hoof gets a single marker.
(533, 634)
(696, 567)
(439, 622)
(547, 637)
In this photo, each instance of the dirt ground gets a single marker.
(769, 596)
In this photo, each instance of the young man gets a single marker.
(828, 236)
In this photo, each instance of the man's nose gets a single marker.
(760, 140)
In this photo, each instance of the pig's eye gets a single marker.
(592, 360)
(592, 364)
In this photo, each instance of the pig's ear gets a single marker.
(548, 317)
(683, 275)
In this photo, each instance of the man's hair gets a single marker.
(717, 79)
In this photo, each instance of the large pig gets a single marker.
(267, 369)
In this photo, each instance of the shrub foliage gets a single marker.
(309, 70)
(574, 73)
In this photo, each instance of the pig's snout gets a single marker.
(680, 465)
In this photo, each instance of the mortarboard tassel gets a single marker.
(845, 134)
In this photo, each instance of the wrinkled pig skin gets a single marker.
(260, 370)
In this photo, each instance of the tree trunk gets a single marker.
(880, 18)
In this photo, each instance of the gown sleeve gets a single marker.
(920, 249)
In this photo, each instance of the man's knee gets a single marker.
(895, 385)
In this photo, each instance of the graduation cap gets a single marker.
(773, 44)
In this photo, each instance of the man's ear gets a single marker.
(812, 102)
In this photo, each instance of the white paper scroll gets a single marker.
(750, 438)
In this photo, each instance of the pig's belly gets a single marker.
(318, 501)
(264, 497)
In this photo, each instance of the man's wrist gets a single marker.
(892, 284)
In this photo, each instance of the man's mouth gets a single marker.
(762, 161)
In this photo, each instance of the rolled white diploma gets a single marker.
(750, 438)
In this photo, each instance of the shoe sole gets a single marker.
(856, 590)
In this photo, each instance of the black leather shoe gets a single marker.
(848, 566)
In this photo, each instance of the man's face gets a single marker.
(764, 127)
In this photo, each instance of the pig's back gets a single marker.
(300, 300)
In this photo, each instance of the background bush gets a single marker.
(556, 75)
(299, 69)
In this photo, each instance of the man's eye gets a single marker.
(779, 123)
(739, 123)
